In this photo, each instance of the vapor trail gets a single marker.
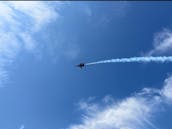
(158, 59)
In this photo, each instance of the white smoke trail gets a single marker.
(158, 59)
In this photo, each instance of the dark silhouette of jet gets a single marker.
(80, 65)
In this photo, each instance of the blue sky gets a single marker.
(40, 44)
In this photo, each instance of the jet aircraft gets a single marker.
(81, 65)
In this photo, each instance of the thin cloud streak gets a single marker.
(160, 59)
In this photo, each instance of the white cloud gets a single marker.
(19, 21)
(135, 112)
(167, 90)
(40, 12)
(162, 43)
(28, 41)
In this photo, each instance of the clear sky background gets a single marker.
(40, 44)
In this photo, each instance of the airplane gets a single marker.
(80, 65)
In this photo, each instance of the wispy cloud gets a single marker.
(100, 14)
(135, 112)
(162, 43)
(22, 127)
(19, 21)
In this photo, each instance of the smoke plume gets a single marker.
(159, 59)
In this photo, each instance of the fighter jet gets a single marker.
(80, 65)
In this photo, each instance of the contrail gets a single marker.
(158, 59)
